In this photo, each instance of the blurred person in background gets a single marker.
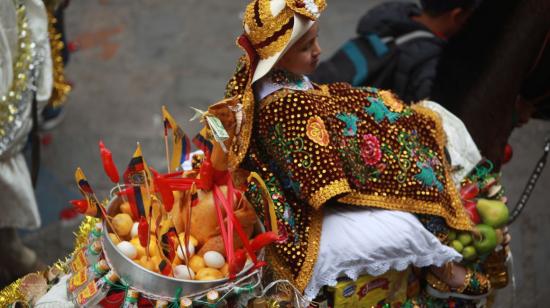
(26, 83)
(398, 47)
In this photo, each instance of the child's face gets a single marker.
(302, 58)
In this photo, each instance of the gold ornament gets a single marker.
(61, 87)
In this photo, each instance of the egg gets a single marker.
(134, 231)
(214, 259)
(184, 272)
(181, 251)
(127, 249)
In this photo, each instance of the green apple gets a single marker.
(451, 236)
(469, 253)
(493, 212)
(457, 245)
(488, 240)
(465, 238)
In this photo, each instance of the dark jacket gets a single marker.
(417, 59)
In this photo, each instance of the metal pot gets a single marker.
(143, 279)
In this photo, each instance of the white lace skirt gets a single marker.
(356, 241)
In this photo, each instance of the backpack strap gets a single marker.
(400, 40)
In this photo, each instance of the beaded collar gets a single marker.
(280, 79)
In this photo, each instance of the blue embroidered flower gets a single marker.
(427, 176)
(379, 111)
(351, 123)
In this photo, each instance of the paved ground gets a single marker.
(138, 55)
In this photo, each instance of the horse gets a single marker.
(500, 55)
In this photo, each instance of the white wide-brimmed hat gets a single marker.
(273, 26)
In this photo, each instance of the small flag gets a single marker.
(139, 176)
(202, 142)
(86, 190)
(165, 268)
(181, 146)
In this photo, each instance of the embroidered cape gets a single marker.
(335, 143)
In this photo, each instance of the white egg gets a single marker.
(134, 231)
(127, 249)
(184, 272)
(214, 259)
(181, 251)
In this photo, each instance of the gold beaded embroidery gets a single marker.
(328, 192)
(316, 172)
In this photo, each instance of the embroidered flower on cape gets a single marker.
(316, 131)
(370, 150)
(379, 111)
(350, 120)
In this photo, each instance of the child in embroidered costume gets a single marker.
(341, 164)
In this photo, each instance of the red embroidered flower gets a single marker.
(370, 150)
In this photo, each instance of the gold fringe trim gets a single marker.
(282, 271)
(322, 195)
(441, 138)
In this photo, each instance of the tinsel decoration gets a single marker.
(12, 293)
(61, 87)
(22, 66)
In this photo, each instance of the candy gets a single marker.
(196, 263)
(114, 239)
(208, 274)
(123, 224)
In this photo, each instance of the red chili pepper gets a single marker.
(143, 231)
(263, 240)
(80, 206)
(165, 193)
(469, 191)
(108, 163)
(207, 173)
(471, 209)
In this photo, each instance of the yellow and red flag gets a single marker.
(138, 176)
(93, 206)
(181, 146)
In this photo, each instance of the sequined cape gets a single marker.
(358, 146)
